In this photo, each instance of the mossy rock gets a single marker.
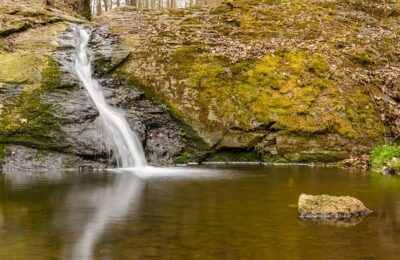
(296, 76)
(27, 119)
(20, 68)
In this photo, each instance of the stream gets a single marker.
(208, 212)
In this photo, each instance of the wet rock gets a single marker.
(107, 54)
(387, 170)
(394, 165)
(19, 158)
(330, 207)
(79, 118)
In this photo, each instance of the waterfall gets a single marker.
(122, 141)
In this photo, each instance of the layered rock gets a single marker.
(283, 79)
(28, 124)
(48, 121)
(240, 82)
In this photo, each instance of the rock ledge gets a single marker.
(330, 207)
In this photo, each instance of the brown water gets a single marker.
(211, 213)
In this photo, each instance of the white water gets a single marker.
(121, 140)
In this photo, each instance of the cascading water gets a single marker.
(122, 141)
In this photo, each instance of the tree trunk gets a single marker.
(82, 7)
(105, 5)
(98, 7)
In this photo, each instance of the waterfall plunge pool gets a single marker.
(205, 212)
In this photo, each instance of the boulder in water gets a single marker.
(330, 207)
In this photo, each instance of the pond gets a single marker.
(208, 212)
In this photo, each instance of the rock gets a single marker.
(24, 159)
(330, 207)
(387, 170)
(108, 55)
(241, 93)
(361, 162)
(393, 165)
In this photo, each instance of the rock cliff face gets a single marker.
(46, 118)
(280, 81)
(289, 80)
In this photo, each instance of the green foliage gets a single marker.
(381, 155)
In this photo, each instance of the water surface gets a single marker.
(207, 213)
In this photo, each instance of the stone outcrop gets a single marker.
(330, 207)
(222, 83)
(293, 88)
(46, 118)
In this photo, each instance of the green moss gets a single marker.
(363, 59)
(183, 158)
(51, 75)
(27, 119)
(69, 162)
(381, 155)
(3, 153)
(319, 65)
(302, 83)
(190, 21)
(41, 154)
(282, 88)
(274, 158)
(234, 156)
(277, 88)
(19, 68)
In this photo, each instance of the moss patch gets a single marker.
(278, 89)
(51, 75)
(17, 68)
(234, 156)
(27, 119)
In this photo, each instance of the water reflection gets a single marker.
(207, 213)
(100, 6)
(109, 203)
